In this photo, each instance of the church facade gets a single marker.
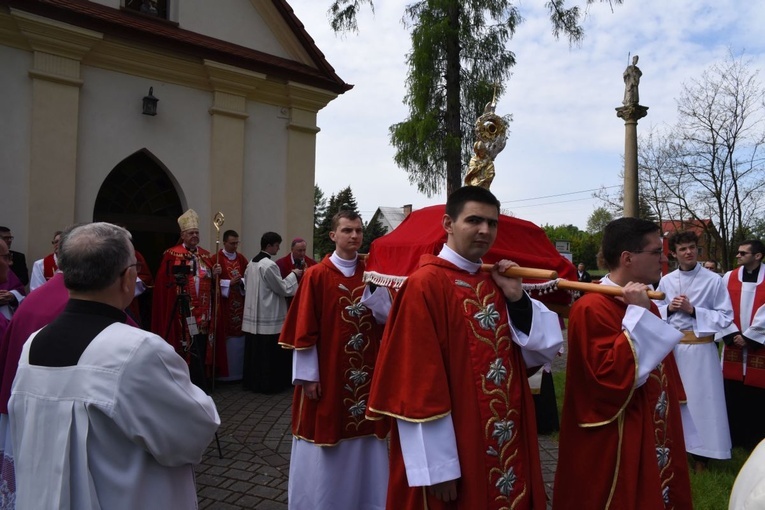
(238, 86)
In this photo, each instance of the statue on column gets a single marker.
(631, 81)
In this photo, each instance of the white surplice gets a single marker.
(699, 364)
(129, 426)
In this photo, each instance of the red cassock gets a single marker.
(166, 291)
(231, 310)
(286, 265)
(621, 446)
(448, 349)
(327, 313)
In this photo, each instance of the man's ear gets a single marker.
(447, 223)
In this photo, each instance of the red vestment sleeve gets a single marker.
(303, 322)
(411, 381)
(606, 360)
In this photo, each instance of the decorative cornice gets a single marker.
(54, 37)
(232, 80)
(308, 98)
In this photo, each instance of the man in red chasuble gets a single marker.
(621, 436)
(229, 347)
(185, 274)
(339, 457)
(452, 372)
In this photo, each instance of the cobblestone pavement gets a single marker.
(255, 442)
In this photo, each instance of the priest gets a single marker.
(621, 437)
(184, 279)
(452, 372)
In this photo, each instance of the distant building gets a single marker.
(391, 217)
(239, 85)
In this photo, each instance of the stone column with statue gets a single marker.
(631, 112)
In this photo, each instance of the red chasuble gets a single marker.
(733, 356)
(49, 266)
(448, 349)
(621, 447)
(327, 313)
(165, 292)
(286, 265)
(231, 310)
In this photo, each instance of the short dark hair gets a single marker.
(4, 229)
(229, 233)
(755, 244)
(457, 200)
(682, 237)
(624, 234)
(91, 256)
(348, 214)
(268, 239)
(296, 241)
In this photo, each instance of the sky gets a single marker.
(565, 140)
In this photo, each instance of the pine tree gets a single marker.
(372, 230)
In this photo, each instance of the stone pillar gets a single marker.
(231, 87)
(631, 114)
(305, 102)
(58, 49)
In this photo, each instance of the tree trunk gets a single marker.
(452, 114)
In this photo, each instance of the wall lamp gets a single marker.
(150, 103)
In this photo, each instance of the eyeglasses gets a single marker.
(7, 238)
(137, 266)
(658, 251)
(743, 253)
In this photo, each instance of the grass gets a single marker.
(710, 489)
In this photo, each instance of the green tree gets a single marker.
(319, 213)
(598, 220)
(459, 55)
(344, 199)
(372, 230)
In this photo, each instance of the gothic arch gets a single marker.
(140, 194)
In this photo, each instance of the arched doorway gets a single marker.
(139, 194)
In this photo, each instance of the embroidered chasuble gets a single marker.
(327, 313)
(448, 349)
(621, 446)
(198, 286)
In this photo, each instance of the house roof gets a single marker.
(393, 215)
(696, 226)
(129, 24)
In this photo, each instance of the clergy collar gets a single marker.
(347, 267)
(95, 308)
(265, 254)
(229, 256)
(753, 274)
(190, 250)
(458, 260)
(689, 271)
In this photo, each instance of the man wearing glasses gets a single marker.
(621, 436)
(104, 414)
(743, 354)
(44, 269)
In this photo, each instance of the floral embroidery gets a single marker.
(503, 430)
(506, 482)
(661, 405)
(661, 436)
(493, 353)
(487, 317)
(662, 456)
(356, 341)
(358, 374)
(497, 372)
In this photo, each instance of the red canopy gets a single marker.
(398, 253)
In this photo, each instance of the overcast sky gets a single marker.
(565, 139)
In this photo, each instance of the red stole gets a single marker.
(232, 307)
(733, 356)
(49, 267)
